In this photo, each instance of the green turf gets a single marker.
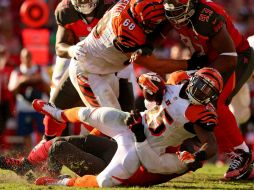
(206, 178)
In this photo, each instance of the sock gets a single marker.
(85, 181)
(71, 115)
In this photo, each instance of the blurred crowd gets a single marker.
(22, 79)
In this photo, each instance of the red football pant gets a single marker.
(227, 133)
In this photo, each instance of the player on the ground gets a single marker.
(180, 112)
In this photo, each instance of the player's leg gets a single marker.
(241, 152)
(123, 165)
(95, 90)
(109, 121)
(64, 96)
(83, 155)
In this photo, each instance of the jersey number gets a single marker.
(156, 120)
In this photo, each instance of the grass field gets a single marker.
(206, 178)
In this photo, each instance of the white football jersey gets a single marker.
(102, 55)
(165, 124)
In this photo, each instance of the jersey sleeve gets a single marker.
(207, 21)
(129, 36)
(204, 116)
(166, 163)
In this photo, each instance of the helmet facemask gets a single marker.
(178, 12)
(201, 91)
(204, 86)
(85, 6)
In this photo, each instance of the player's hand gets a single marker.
(145, 81)
(185, 157)
(134, 122)
(134, 118)
(197, 61)
(143, 51)
(77, 51)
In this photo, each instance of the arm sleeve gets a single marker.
(167, 163)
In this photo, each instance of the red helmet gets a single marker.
(147, 13)
(204, 86)
(178, 12)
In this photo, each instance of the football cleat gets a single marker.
(19, 166)
(63, 181)
(47, 109)
(240, 162)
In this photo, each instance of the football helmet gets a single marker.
(205, 86)
(153, 86)
(85, 6)
(178, 12)
(147, 13)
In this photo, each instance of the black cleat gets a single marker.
(240, 162)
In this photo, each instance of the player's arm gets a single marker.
(161, 66)
(227, 59)
(64, 40)
(203, 119)
(207, 138)
(167, 163)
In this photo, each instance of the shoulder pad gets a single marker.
(203, 115)
(65, 13)
(207, 21)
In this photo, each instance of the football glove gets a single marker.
(193, 161)
(146, 83)
(134, 122)
(185, 157)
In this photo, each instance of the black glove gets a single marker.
(197, 61)
(134, 122)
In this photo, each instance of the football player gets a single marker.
(178, 112)
(75, 20)
(95, 81)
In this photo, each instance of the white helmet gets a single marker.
(178, 12)
(85, 6)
